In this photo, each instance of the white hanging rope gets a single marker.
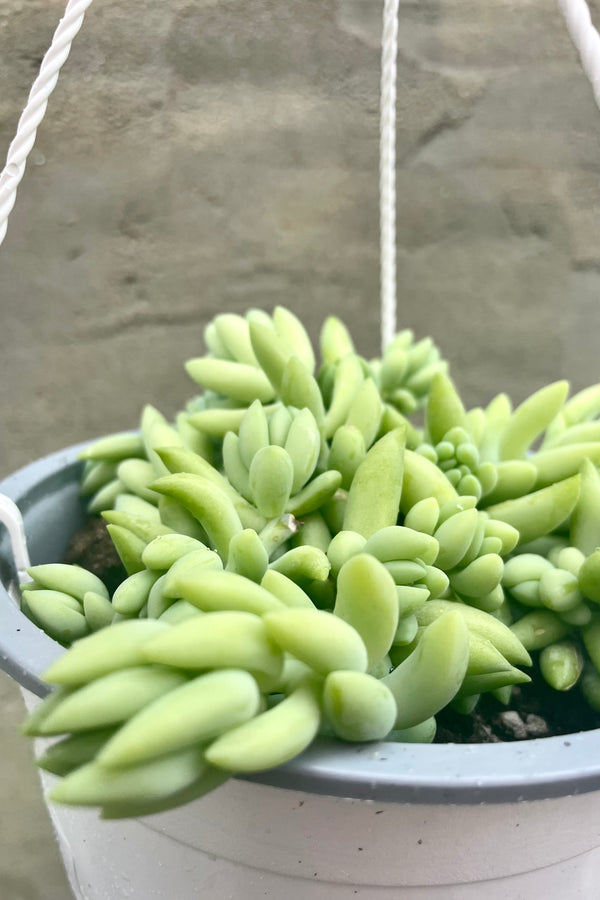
(11, 517)
(586, 39)
(387, 172)
(36, 107)
(579, 22)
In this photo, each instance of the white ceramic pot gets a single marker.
(518, 821)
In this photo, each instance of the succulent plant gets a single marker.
(304, 559)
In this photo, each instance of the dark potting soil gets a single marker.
(534, 710)
(92, 549)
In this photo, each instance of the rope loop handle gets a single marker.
(11, 518)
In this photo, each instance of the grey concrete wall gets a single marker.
(205, 156)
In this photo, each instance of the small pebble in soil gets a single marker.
(532, 726)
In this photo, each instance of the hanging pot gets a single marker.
(379, 821)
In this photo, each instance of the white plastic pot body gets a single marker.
(248, 841)
(516, 821)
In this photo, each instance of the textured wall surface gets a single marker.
(204, 156)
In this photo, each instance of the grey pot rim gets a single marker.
(536, 769)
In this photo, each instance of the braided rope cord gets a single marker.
(11, 518)
(586, 39)
(387, 171)
(35, 109)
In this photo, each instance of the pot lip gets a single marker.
(537, 769)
